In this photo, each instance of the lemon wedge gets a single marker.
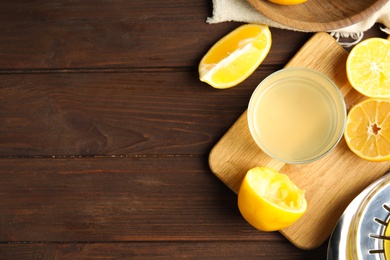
(236, 56)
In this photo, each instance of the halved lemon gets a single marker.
(367, 132)
(368, 67)
(287, 2)
(236, 56)
(269, 200)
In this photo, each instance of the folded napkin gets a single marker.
(242, 11)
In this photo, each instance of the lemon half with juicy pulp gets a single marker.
(367, 132)
(269, 200)
(236, 56)
(368, 67)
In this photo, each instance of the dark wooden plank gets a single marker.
(136, 198)
(162, 250)
(115, 34)
(165, 111)
(140, 199)
(116, 113)
(95, 33)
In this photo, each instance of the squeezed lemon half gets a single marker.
(269, 200)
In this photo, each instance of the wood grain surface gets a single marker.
(105, 133)
(330, 183)
(319, 15)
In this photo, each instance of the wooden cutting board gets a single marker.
(332, 182)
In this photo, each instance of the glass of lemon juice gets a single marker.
(296, 115)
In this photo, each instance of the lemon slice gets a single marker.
(236, 56)
(367, 132)
(368, 67)
(269, 200)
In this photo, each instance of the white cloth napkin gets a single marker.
(242, 11)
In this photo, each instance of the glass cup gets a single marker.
(296, 115)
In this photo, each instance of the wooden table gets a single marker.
(106, 129)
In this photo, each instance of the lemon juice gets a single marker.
(296, 115)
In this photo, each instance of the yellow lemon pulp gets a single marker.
(386, 243)
(368, 68)
(236, 56)
(269, 200)
(367, 132)
(287, 2)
